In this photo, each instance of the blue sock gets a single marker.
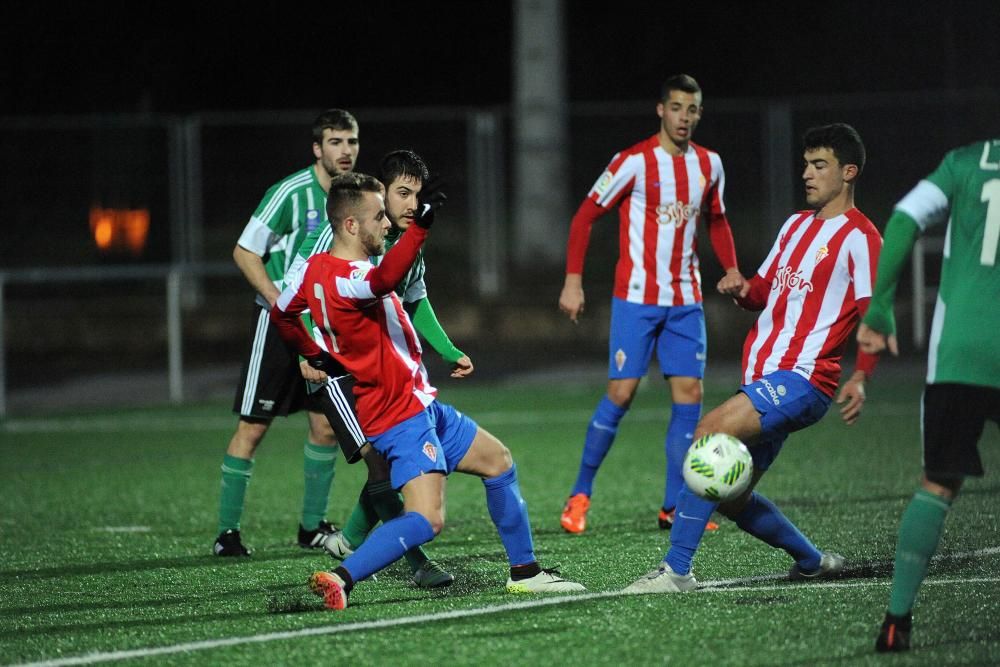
(600, 436)
(387, 544)
(689, 525)
(510, 515)
(764, 521)
(683, 420)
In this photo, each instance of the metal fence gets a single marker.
(200, 176)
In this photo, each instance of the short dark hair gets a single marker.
(347, 193)
(842, 139)
(682, 82)
(332, 119)
(402, 163)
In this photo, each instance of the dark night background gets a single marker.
(118, 57)
(136, 72)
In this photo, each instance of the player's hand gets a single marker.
(874, 342)
(571, 299)
(326, 363)
(733, 284)
(462, 368)
(429, 200)
(852, 397)
(311, 374)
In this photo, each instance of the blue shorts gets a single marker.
(677, 331)
(434, 440)
(786, 402)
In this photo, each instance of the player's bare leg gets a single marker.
(736, 416)
(248, 436)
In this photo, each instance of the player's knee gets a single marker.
(621, 395)
(320, 431)
(500, 461)
(942, 486)
(686, 390)
(247, 438)
(435, 518)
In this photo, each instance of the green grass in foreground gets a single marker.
(106, 523)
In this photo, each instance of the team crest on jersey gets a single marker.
(701, 181)
(821, 254)
(360, 273)
(430, 451)
(604, 183)
(785, 278)
(312, 219)
(676, 213)
(620, 359)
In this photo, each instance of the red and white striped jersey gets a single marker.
(812, 280)
(662, 198)
(370, 335)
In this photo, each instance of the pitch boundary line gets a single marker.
(720, 586)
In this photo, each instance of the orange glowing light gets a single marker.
(118, 230)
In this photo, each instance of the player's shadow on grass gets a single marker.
(83, 569)
(184, 614)
(98, 605)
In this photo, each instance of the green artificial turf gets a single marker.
(107, 520)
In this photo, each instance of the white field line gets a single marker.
(722, 586)
(134, 423)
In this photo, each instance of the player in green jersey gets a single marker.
(271, 383)
(963, 365)
(405, 176)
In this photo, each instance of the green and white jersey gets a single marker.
(410, 290)
(964, 341)
(289, 211)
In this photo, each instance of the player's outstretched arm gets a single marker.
(392, 269)
(426, 323)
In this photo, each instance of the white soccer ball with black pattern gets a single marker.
(718, 467)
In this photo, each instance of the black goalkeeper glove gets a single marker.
(326, 363)
(429, 200)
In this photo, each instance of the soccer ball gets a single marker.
(718, 467)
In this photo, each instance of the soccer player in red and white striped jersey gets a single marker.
(662, 186)
(364, 327)
(812, 289)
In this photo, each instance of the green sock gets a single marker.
(318, 468)
(919, 534)
(362, 520)
(235, 478)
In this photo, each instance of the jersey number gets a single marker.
(991, 235)
(318, 293)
